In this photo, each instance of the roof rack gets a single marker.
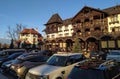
(97, 64)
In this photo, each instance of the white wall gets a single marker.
(113, 25)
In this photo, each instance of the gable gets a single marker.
(87, 12)
(54, 19)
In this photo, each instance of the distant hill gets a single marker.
(5, 41)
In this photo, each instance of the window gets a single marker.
(60, 35)
(48, 36)
(114, 19)
(22, 34)
(115, 29)
(60, 29)
(66, 34)
(53, 36)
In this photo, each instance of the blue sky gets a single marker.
(35, 13)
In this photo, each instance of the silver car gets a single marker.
(58, 67)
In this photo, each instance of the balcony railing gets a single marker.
(113, 22)
(88, 34)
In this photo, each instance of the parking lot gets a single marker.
(7, 76)
(21, 65)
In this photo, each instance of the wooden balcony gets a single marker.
(96, 34)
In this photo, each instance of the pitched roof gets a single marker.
(55, 18)
(27, 31)
(112, 10)
(67, 21)
(88, 8)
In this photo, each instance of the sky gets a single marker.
(36, 13)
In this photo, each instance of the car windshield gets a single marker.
(57, 60)
(81, 73)
(115, 53)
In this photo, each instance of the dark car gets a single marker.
(5, 67)
(96, 70)
(8, 52)
(47, 52)
(19, 62)
(25, 66)
(10, 57)
(98, 55)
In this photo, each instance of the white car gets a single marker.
(57, 67)
(114, 54)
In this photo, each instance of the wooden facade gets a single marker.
(90, 25)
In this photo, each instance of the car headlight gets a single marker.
(21, 70)
(12, 67)
(18, 70)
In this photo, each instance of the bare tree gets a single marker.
(10, 33)
(19, 28)
(13, 33)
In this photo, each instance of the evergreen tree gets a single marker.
(11, 44)
(24, 45)
(77, 46)
(34, 46)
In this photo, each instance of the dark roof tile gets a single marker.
(55, 18)
(27, 31)
(112, 10)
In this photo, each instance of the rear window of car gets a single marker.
(83, 73)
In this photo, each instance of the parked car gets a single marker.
(17, 67)
(47, 52)
(5, 67)
(8, 52)
(95, 70)
(10, 57)
(98, 55)
(58, 66)
(114, 54)
(25, 66)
